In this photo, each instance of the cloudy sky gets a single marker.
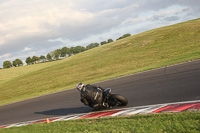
(37, 27)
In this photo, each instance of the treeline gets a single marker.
(57, 54)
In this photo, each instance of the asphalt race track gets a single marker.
(164, 85)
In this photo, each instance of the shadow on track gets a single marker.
(66, 111)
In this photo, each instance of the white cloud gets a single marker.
(170, 14)
(5, 56)
(50, 19)
(26, 49)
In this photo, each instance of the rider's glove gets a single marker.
(86, 103)
(82, 100)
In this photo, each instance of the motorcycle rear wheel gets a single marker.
(119, 100)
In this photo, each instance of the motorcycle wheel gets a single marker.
(119, 100)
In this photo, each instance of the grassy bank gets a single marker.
(184, 122)
(145, 51)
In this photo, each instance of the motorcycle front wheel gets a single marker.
(119, 100)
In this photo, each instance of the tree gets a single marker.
(19, 62)
(7, 64)
(77, 49)
(59, 52)
(72, 49)
(104, 42)
(92, 45)
(35, 58)
(124, 36)
(14, 63)
(29, 61)
(42, 58)
(65, 51)
(56, 54)
(49, 57)
(110, 40)
(52, 55)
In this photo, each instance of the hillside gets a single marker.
(145, 51)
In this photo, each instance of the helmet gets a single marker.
(79, 86)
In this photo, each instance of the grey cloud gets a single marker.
(147, 5)
(99, 5)
(192, 3)
(192, 6)
(100, 22)
(171, 18)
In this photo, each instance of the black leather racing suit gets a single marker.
(92, 96)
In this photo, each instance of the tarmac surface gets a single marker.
(169, 84)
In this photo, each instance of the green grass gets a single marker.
(11, 73)
(184, 122)
(152, 49)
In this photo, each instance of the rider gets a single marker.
(91, 95)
